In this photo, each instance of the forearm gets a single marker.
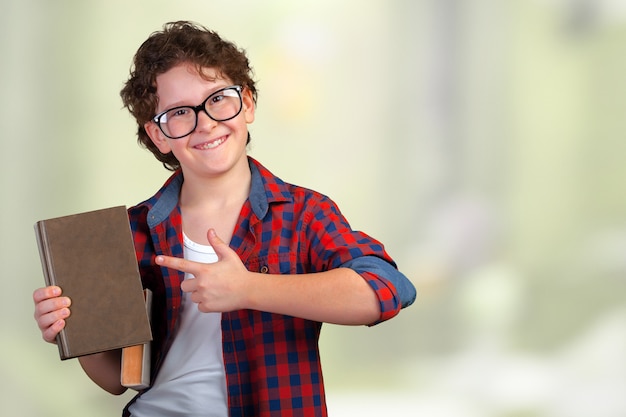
(104, 369)
(339, 296)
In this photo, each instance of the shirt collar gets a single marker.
(265, 188)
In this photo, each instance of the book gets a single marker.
(91, 256)
(136, 359)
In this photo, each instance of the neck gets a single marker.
(232, 187)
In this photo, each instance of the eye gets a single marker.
(176, 113)
(183, 111)
(220, 96)
(216, 98)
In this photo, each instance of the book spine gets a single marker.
(48, 274)
(42, 243)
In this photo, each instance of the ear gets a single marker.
(157, 137)
(248, 105)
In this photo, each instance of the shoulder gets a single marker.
(276, 189)
(270, 193)
(283, 197)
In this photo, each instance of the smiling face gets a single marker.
(213, 148)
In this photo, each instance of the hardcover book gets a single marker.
(91, 256)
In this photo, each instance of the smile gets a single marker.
(211, 145)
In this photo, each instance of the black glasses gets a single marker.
(222, 105)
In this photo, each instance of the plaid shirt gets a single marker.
(272, 361)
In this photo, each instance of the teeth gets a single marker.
(211, 145)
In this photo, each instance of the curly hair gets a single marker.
(179, 42)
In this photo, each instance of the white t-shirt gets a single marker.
(191, 381)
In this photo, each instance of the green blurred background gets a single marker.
(482, 141)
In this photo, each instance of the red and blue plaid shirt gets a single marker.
(272, 361)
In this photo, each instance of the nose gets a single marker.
(205, 123)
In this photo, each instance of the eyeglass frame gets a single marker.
(201, 107)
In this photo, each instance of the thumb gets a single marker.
(218, 244)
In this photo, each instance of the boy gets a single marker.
(244, 268)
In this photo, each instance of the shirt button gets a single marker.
(264, 269)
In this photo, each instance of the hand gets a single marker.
(216, 287)
(51, 310)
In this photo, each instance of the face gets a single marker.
(213, 148)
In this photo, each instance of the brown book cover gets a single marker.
(91, 256)
(136, 359)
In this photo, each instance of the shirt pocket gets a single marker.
(275, 263)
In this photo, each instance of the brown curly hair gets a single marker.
(179, 42)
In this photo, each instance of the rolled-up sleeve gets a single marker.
(392, 287)
(334, 244)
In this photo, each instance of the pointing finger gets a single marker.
(179, 264)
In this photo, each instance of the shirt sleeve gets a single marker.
(334, 244)
(393, 288)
